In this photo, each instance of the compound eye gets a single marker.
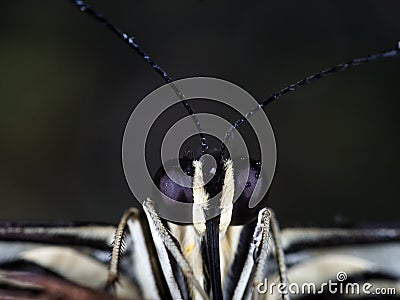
(252, 183)
(175, 190)
(179, 189)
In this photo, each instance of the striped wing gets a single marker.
(62, 261)
(70, 261)
(343, 256)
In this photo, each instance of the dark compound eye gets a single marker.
(179, 189)
(253, 183)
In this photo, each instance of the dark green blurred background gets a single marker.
(68, 86)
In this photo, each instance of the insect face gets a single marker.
(239, 175)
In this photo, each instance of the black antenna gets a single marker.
(135, 46)
(312, 78)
